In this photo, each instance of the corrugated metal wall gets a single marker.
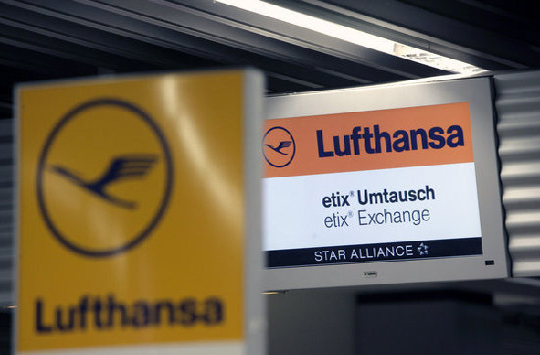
(517, 101)
(6, 212)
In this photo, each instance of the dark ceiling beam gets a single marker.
(140, 27)
(182, 19)
(279, 83)
(11, 75)
(276, 81)
(6, 104)
(444, 31)
(93, 36)
(23, 36)
(245, 25)
(89, 37)
(517, 20)
(400, 34)
(38, 64)
(5, 113)
(148, 33)
(107, 22)
(21, 65)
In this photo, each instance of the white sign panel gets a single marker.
(357, 182)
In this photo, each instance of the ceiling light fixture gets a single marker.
(353, 35)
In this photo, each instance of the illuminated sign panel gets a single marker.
(136, 198)
(352, 179)
(382, 185)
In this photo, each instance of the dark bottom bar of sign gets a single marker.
(375, 252)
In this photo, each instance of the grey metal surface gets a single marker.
(6, 212)
(517, 103)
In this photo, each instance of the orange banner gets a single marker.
(353, 141)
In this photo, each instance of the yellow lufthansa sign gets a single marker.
(132, 214)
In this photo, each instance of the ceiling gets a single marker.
(72, 38)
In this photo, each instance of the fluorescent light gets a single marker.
(274, 292)
(353, 35)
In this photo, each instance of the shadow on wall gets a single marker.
(5, 332)
(446, 322)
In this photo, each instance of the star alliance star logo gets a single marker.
(423, 249)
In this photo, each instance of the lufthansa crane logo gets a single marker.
(123, 167)
(104, 177)
(279, 147)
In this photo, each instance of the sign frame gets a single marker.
(491, 264)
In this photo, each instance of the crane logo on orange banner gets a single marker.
(355, 141)
(278, 147)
